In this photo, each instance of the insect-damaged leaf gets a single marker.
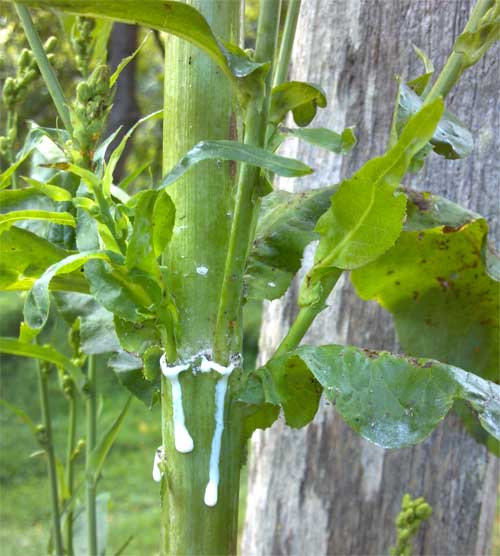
(240, 152)
(451, 138)
(366, 214)
(285, 226)
(176, 18)
(391, 400)
(24, 257)
(302, 99)
(435, 282)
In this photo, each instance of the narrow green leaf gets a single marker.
(422, 84)
(10, 218)
(55, 192)
(12, 346)
(232, 150)
(115, 156)
(99, 453)
(125, 62)
(339, 143)
(435, 282)
(163, 220)
(285, 227)
(366, 215)
(391, 400)
(302, 99)
(36, 307)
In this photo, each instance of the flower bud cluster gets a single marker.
(408, 521)
(16, 88)
(81, 40)
(90, 110)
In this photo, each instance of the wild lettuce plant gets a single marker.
(158, 279)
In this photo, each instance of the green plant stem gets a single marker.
(46, 69)
(199, 104)
(246, 201)
(51, 458)
(286, 46)
(307, 314)
(91, 426)
(70, 469)
(454, 66)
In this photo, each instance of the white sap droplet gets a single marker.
(271, 284)
(211, 494)
(156, 464)
(202, 270)
(220, 395)
(183, 441)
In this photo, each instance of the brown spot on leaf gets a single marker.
(451, 229)
(420, 199)
(444, 283)
(371, 354)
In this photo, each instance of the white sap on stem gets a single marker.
(220, 396)
(182, 438)
(157, 473)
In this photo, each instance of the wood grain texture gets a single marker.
(323, 490)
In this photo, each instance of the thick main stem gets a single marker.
(199, 105)
(91, 432)
(51, 458)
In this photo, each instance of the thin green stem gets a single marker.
(12, 126)
(46, 69)
(307, 314)
(51, 458)
(70, 469)
(286, 46)
(91, 426)
(455, 66)
(246, 202)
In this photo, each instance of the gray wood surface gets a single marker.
(323, 490)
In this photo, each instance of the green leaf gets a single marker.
(99, 453)
(56, 193)
(451, 138)
(325, 138)
(176, 18)
(391, 400)
(10, 218)
(232, 150)
(285, 227)
(153, 225)
(96, 328)
(12, 346)
(302, 99)
(422, 84)
(24, 257)
(473, 45)
(366, 214)
(36, 307)
(435, 282)
(137, 337)
(128, 369)
(107, 180)
(125, 294)
(125, 62)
